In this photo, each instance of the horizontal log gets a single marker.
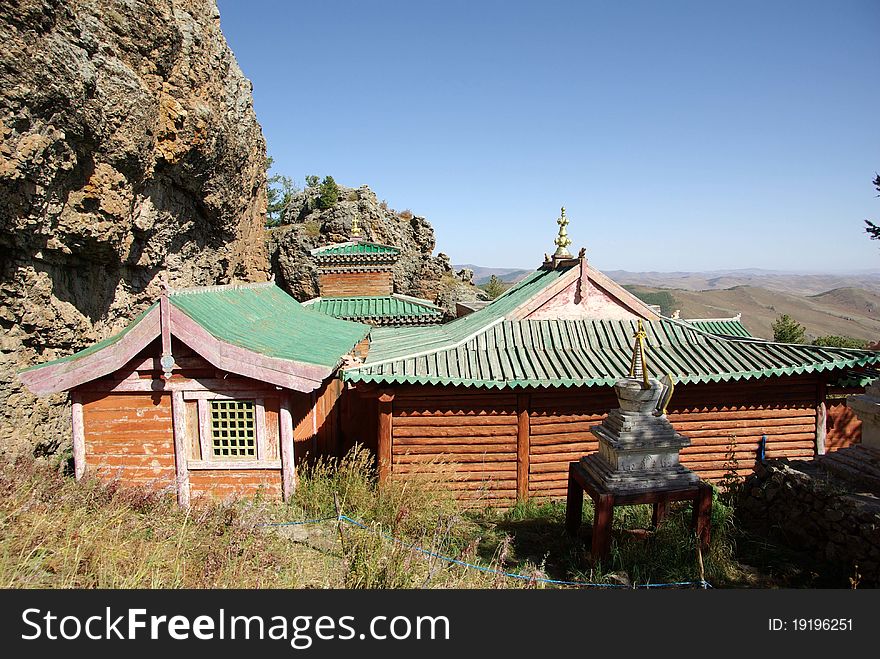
(446, 440)
(458, 449)
(457, 431)
(563, 428)
(237, 465)
(744, 414)
(561, 478)
(573, 438)
(566, 447)
(732, 424)
(549, 419)
(550, 467)
(103, 460)
(778, 431)
(497, 487)
(743, 452)
(719, 464)
(464, 470)
(427, 420)
(556, 458)
(454, 459)
(131, 473)
(127, 413)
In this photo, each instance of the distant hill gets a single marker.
(842, 311)
(784, 282)
(482, 275)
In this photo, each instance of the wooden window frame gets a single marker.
(208, 460)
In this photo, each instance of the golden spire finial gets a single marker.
(355, 229)
(562, 240)
(638, 367)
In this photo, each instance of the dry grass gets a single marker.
(59, 533)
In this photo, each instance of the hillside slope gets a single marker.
(843, 312)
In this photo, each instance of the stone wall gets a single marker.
(808, 509)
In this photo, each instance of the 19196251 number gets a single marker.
(811, 625)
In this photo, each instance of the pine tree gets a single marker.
(787, 330)
(328, 193)
(494, 288)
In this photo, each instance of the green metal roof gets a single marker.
(355, 249)
(261, 318)
(387, 308)
(855, 379)
(268, 321)
(563, 353)
(392, 342)
(722, 326)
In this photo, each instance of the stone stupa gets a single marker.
(638, 447)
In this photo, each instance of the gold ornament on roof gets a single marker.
(638, 367)
(562, 240)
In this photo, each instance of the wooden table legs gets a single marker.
(580, 482)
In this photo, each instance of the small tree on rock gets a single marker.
(787, 330)
(328, 193)
(494, 288)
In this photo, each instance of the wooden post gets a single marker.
(661, 509)
(181, 454)
(603, 517)
(523, 447)
(386, 401)
(79, 435)
(821, 416)
(288, 468)
(702, 515)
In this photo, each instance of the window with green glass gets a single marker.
(233, 429)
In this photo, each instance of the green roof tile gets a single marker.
(261, 318)
(722, 326)
(389, 308)
(562, 353)
(355, 249)
(267, 320)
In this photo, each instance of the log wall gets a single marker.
(129, 437)
(496, 440)
(475, 431)
(345, 284)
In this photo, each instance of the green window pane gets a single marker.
(233, 428)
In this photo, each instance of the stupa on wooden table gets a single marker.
(638, 447)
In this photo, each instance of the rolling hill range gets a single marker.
(784, 282)
(845, 311)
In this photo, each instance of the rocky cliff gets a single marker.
(418, 272)
(128, 147)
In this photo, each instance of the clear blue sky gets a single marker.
(679, 135)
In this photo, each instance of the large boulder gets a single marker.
(418, 272)
(128, 147)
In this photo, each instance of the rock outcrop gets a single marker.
(128, 147)
(305, 226)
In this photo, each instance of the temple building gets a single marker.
(225, 390)
(356, 282)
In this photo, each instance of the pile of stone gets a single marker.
(810, 509)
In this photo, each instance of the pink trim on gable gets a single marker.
(53, 378)
(583, 293)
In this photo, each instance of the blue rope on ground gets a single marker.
(482, 568)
